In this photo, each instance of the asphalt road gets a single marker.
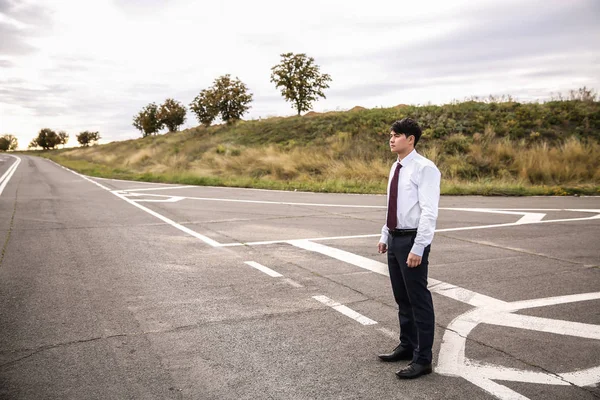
(128, 290)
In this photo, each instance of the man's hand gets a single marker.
(413, 260)
(381, 247)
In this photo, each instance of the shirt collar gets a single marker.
(406, 160)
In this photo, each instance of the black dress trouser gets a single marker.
(415, 307)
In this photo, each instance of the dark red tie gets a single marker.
(392, 215)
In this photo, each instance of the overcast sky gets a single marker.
(79, 65)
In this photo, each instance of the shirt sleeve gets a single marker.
(385, 235)
(429, 197)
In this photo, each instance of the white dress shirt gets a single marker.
(418, 199)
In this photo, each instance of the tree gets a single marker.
(299, 79)
(147, 120)
(205, 106)
(63, 138)
(8, 143)
(86, 138)
(172, 114)
(46, 139)
(228, 97)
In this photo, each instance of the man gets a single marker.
(413, 197)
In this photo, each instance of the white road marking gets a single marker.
(348, 312)
(526, 220)
(350, 258)
(172, 199)
(285, 203)
(9, 173)
(264, 269)
(550, 301)
(174, 224)
(158, 188)
(527, 217)
(547, 325)
(452, 360)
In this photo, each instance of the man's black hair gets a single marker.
(408, 127)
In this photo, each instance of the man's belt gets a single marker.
(402, 232)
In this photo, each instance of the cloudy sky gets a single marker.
(79, 65)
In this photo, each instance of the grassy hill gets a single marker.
(480, 147)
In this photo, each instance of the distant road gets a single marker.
(128, 290)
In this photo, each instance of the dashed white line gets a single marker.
(348, 312)
(264, 269)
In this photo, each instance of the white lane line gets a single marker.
(81, 176)
(527, 217)
(466, 228)
(9, 173)
(345, 256)
(587, 377)
(445, 289)
(172, 199)
(287, 203)
(464, 295)
(550, 301)
(348, 312)
(174, 224)
(264, 269)
(538, 324)
(158, 188)
(495, 389)
(266, 242)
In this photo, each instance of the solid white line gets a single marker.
(348, 312)
(464, 295)
(538, 324)
(81, 176)
(10, 168)
(264, 269)
(289, 240)
(158, 188)
(285, 203)
(516, 375)
(531, 217)
(586, 377)
(445, 289)
(172, 199)
(9, 173)
(495, 389)
(466, 228)
(174, 224)
(550, 301)
(345, 256)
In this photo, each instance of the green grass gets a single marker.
(480, 147)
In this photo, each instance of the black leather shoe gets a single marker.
(414, 370)
(399, 353)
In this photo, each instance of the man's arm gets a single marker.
(429, 197)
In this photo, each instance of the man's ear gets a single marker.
(411, 139)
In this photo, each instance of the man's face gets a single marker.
(400, 144)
